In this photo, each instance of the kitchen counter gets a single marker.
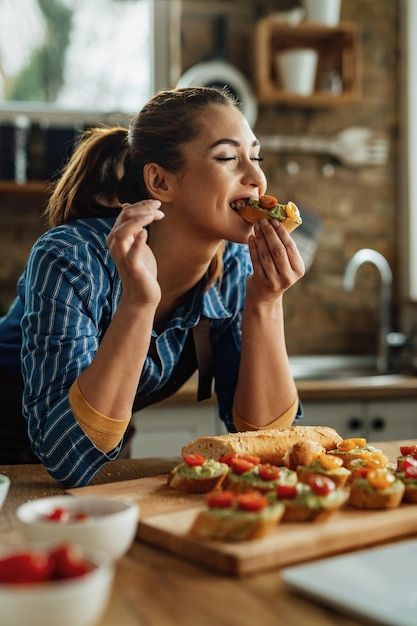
(366, 387)
(155, 588)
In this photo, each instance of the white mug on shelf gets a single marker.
(323, 11)
(297, 69)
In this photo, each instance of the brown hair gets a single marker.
(106, 168)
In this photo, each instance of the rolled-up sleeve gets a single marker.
(66, 308)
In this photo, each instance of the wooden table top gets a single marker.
(155, 588)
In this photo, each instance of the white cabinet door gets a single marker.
(164, 430)
(392, 419)
(346, 417)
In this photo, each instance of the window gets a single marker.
(81, 58)
(408, 169)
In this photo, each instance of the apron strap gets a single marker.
(204, 357)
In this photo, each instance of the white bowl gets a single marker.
(72, 602)
(4, 488)
(111, 527)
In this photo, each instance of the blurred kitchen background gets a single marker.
(339, 148)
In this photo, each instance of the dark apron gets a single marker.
(14, 442)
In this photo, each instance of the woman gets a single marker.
(136, 262)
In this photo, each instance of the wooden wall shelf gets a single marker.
(32, 186)
(339, 52)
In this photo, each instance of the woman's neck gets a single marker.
(182, 262)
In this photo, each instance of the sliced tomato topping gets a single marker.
(25, 567)
(411, 472)
(227, 458)
(286, 492)
(268, 472)
(220, 499)
(194, 460)
(267, 202)
(253, 501)
(321, 485)
(241, 465)
(408, 450)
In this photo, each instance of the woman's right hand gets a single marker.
(134, 259)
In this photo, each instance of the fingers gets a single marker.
(293, 254)
(131, 221)
(277, 254)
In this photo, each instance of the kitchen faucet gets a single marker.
(367, 255)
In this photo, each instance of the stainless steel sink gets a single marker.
(336, 366)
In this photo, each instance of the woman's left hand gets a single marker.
(277, 263)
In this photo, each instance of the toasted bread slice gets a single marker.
(365, 498)
(195, 485)
(339, 476)
(235, 526)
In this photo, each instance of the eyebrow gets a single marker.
(231, 142)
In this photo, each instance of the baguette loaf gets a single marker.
(272, 446)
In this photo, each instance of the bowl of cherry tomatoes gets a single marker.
(103, 523)
(63, 584)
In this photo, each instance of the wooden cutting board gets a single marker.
(166, 516)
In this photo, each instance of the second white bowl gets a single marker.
(111, 524)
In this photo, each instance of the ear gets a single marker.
(158, 182)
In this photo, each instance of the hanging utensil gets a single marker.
(353, 147)
(218, 73)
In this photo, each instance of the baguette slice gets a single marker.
(235, 527)
(385, 499)
(195, 485)
(271, 445)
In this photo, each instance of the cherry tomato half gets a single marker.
(194, 460)
(251, 501)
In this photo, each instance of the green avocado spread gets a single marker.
(209, 469)
(269, 512)
(252, 478)
(278, 212)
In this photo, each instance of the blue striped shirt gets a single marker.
(66, 298)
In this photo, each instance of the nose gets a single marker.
(253, 176)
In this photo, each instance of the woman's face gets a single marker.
(222, 165)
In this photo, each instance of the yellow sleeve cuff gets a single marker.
(104, 432)
(283, 421)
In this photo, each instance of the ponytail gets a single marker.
(96, 180)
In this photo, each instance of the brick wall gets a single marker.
(357, 206)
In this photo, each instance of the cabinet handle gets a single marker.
(378, 423)
(355, 423)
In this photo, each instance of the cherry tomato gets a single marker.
(220, 499)
(58, 515)
(25, 567)
(286, 492)
(241, 465)
(68, 562)
(350, 444)
(409, 451)
(267, 202)
(227, 459)
(269, 472)
(380, 479)
(411, 472)
(254, 501)
(321, 485)
(194, 460)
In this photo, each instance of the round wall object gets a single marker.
(219, 74)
